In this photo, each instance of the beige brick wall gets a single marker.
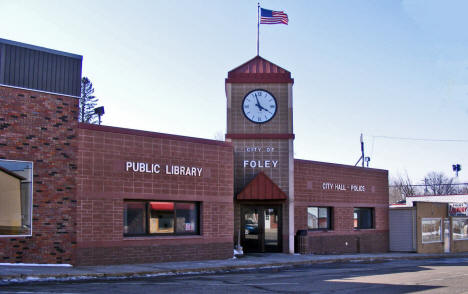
(238, 124)
(272, 150)
(279, 149)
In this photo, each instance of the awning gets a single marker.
(165, 206)
(261, 188)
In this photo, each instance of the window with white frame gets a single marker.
(15, 197)
(431, 230)
(460, 228)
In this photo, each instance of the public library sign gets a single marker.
(169, 169)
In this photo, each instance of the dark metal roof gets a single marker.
(38, 48)
(37, 68)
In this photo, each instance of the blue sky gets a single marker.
(382, 68)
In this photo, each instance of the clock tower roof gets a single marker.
(259, 70)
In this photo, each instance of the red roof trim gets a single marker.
(445, 195)
(124, 131)
(261, 188)
(259, 78)
(260, 136)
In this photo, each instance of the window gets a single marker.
(460, 228)
(431, 230)
(160, 218)
(15, 197)
(135, 218)
(363, 218)
(319, 218)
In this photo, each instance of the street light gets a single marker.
(100, 112)
(456, 168)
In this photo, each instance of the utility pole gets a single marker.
(363, 158)
(362, 150)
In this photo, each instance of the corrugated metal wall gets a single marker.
(37, 68)
(402, 229)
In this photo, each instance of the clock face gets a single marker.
(259, 106)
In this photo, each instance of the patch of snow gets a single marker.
(36, 264)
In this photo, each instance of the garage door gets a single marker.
(402, 229)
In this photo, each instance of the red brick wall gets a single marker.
(41, 128)
(309, 177)
(103, 184)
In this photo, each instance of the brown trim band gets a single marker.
(259, 78)
(124, 131)
(260, 136)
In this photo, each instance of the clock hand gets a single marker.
(258, 103)
(260, 106)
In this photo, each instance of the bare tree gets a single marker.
(401, 187)
(219, 135)
(463, 189)
(436, 183)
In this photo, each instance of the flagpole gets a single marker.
(258, 27)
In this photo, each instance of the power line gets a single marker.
(428, 185)
(422, 139)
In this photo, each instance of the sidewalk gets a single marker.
(12, 274)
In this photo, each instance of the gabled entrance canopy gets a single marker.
(261, 188)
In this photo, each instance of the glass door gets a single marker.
(250, 232)
(271, 229)
(261, 229)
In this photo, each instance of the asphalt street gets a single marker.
(399, 276)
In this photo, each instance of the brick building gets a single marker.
(94, 194)
(110, 192)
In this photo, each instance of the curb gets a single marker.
(86, 277)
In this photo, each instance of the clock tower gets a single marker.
(260, 127)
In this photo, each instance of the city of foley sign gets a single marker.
(155, 168)
(260, 163)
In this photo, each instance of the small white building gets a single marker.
(431, 198)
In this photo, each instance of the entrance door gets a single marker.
(446, 235)
(261, 228)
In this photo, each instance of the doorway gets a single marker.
(261, 228)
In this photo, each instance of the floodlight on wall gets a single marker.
(100, 112)
(367, 160)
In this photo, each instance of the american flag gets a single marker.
(273, 17)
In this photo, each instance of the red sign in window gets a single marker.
(164, 206)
